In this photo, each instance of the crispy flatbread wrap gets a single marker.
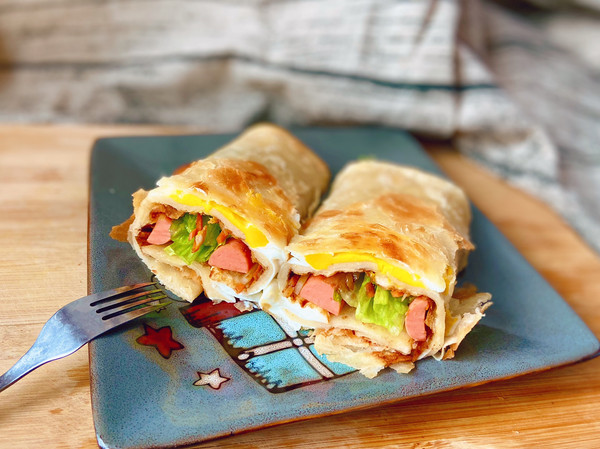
(221, 224)
(374, 271)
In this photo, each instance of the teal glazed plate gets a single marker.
(193, 372)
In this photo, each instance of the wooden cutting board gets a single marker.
(43, 235)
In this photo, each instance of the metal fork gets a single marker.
(82, 320)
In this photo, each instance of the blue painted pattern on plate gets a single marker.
(250, 330)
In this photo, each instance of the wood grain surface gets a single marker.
(43, 235)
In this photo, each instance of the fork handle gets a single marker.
(48, 346)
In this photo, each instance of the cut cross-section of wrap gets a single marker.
(221, 224)
(374, 271)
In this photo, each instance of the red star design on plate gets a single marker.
(161, 339)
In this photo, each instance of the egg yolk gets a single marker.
(255, 238)
(323, 261)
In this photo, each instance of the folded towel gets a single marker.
(467, 70)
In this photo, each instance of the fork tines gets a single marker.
(110, 295)
(129, 300)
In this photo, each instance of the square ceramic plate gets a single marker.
(194, 372)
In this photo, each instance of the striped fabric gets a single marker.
(464, 70)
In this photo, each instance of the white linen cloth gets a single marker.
(469, 70)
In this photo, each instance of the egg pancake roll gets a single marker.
(374, 271)
(221, 224)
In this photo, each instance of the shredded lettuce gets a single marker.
(382, 309)
(182, 245)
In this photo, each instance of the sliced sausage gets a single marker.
(414, 322)
(161, 233)
(233, 256)
(320, 291)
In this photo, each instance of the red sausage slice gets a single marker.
(161, 233)
(319, 290)
(415, 318)
(233, 255)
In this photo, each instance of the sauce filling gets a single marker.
(201, 238)
(393, 309)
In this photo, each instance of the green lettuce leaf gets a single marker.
(382, 309)
(182, 245)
